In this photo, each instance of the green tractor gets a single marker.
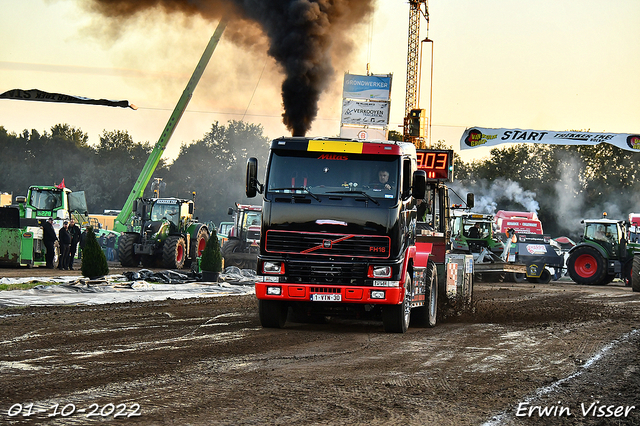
(165, 232)
(604, 254)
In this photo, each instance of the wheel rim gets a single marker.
(201, 244)
(433, 305)
(179, 253)
(585, 265)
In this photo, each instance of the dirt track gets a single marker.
(208, 361)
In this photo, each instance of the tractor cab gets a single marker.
(607, 233)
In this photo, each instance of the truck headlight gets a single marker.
(379, 271)
(377, 294)
(273, 268)
(274, 291)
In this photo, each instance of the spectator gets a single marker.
(49, 239)
(83, 240)
(64, 237)
(74, 231)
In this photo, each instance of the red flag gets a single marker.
(61, 184)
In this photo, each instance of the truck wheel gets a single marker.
(426, 316)
(272, 313)
(587, 266)
(174, 252)
(198, 243)
(229, 249)
(125, 250)
(635, 273)
(395, 318)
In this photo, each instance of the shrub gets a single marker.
(94, 262)
(211, 257)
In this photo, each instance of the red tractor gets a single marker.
(243, 245)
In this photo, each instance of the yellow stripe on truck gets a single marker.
(335, 146)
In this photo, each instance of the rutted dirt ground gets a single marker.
(208, 361)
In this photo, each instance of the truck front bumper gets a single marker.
(329, 293)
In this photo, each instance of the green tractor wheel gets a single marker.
(174, 252)
(587, 266)
(125, 250)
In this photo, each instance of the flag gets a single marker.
(61, 184)
(39, 95)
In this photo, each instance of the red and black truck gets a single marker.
(339, 233)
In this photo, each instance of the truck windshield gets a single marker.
(375, 176)
(43, 199)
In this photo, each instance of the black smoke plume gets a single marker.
(303, 36)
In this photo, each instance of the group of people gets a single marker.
(68, 238)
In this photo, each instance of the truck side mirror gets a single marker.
(230, 211)
(21, 199)
(471, 200)
(419, 188)
(190, 208)
(251, 186)
(135, 206)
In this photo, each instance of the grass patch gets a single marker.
(24, 286)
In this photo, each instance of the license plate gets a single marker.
(326, 297)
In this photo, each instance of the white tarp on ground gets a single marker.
(116, 289)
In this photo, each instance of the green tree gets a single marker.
(214, 167)
(94, 262)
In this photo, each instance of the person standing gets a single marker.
(83, 240)
(49, 239)
(65, 245)
(74, 231)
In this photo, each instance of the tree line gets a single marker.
(563, 184)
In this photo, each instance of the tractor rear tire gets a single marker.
(635, 273)
(174, 252)
(396, 318)
(197, 244)
(125, 250)
(587, 266)
(229, 249)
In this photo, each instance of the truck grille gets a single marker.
(326, 274)
(317, 244)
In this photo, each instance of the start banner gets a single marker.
(42, 96)
(475, 137)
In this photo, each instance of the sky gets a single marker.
(546, 65)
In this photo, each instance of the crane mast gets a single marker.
(414, 117)
(122, 220)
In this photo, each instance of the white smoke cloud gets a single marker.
(490, 195)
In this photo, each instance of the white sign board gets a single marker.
(365, 113)
(372, 87)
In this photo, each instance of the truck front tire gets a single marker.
(272, 313)
(395, 318)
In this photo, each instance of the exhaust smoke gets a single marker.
(303, 37)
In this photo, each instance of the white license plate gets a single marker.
(326, 297)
